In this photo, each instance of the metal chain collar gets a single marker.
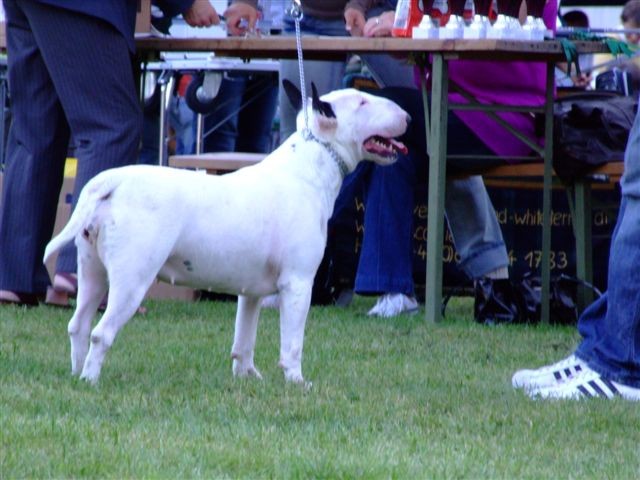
(342, 165)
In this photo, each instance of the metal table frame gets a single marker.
(169, 65)
(441, 51)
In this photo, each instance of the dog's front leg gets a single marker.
(244, 339)
(294, 308)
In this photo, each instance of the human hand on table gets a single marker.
(354, 21)
(241, 18)
(201, 14)
(380, 26)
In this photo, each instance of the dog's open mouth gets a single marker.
(384, 147)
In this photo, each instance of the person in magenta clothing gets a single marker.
(385, 264)
(502, 83)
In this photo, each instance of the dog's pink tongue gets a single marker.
(399, 146)
(385, 146)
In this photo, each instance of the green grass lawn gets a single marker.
(391, 398)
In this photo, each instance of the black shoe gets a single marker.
(495, 302)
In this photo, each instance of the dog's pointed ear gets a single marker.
(325, 118)
(324, 108)
(293, 94)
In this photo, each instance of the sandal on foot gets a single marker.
(65, 282)
(7, 297)
(57, 298)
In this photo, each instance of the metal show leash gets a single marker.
(295, 12)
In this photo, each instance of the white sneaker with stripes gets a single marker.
(549, 375)
(586, 384)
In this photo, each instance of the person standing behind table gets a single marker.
(630, 18)
(242, 113)
(320, 17)
(240, 117)
(59, 87)
(574, 19)
(606, 63)
(606, 363)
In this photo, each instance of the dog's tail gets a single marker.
(97, 189)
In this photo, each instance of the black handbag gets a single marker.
(496, 301)
(589, 130)
(501, 301)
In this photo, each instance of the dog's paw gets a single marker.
(76, 365)
(240, 370)
(292, 370)
(91, 379)
(294, 376)
(91, 371)
(77, 361)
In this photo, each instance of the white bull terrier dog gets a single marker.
(258, 231)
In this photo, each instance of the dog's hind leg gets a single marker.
(295, 299)
(92, 287)
(244, 339)
(122, 303)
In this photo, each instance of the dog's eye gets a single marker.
(363, 102)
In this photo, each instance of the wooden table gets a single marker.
(441, 51)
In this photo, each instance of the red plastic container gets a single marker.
(408, 15)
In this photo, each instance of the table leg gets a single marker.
(582, 227)
(546, 197)
(166, 83)
(437, 141)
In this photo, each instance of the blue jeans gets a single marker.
(385, 264)
(610, 327)
(242, 118)
(182, 118)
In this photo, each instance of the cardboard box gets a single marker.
(63, 211)
(161, 290)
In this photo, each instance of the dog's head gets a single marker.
(363, 124)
